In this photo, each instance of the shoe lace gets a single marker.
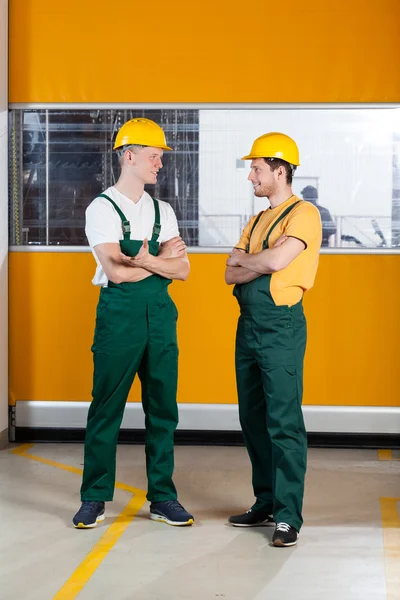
(283, 527)
(174, 505)
(89, 506)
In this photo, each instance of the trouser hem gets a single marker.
(290, 521)
(91, 499)
(154, 499)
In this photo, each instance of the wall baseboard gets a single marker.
(354, 420)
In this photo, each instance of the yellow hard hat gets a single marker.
(142, 132)
(275, 145)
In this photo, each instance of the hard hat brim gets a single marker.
(162, 147)
(251, 156)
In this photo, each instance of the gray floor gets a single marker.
(343, 552)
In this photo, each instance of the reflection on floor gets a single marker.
(344, 551)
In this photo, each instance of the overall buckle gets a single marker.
(126, 227)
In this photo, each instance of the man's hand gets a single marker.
(173, 248)
(237, 273)
(280, 241)
(233, 260)
(141, 259)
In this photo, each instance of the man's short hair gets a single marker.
(275, 163)
(122, 149)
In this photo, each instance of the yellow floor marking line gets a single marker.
(386, 455)
(391, 544)
(92, 561)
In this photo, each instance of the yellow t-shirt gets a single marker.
(303, 223)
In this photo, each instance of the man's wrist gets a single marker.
(242, 260)
(149, 262)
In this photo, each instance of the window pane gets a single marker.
(61, 160)
(350, 168)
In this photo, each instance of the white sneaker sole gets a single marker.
(162, 519)
(91, 525)
(280, 544)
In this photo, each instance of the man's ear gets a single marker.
(132, 157)
(281, 171)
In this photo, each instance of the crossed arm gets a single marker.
(243, 267)
(171, 262)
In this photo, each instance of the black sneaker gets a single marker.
(285, 535)
(171, 512)
(252, 518)
(89, 514)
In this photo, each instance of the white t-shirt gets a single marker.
(103, 223)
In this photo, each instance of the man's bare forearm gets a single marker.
(263, 263)
(273, 259)
(125, 274)
(239, 275)
(171, 268)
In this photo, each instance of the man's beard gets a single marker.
(265, 191)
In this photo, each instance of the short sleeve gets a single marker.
(245, 237)
(101, 225)
(304, 224)
(170, 228)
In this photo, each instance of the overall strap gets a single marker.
(282, 216)
(258, 217)
(157, 224)
(126, 226)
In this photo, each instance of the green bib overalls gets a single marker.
(270, 346)
(135, 333)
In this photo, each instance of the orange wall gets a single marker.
(204, 51)
(353, 316)
(226, 51)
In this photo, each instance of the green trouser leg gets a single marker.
(158, 373)
(275, 437)
(288, 438)
(151, 349)
(253, 420)
(270, 412)
(113, 378)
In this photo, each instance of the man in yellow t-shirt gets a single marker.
(273, 264)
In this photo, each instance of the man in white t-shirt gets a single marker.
(135, 241)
